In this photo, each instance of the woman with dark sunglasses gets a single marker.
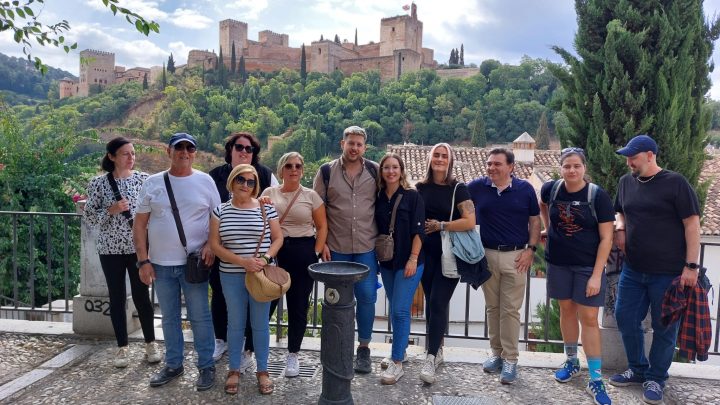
(240, 148)
(304, 227)
(578, 218)
(236, 229)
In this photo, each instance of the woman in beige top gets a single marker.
(302, 219)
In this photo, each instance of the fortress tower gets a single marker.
(233, 30)
(96, 68)
(401, 32)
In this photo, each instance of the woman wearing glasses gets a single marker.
(578, 218)
(240, 148)
(303, 224)
(236, 227)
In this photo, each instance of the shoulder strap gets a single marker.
(287, 210)
(175, 211)
(555, 190)
(370, 168)
(452, 207)
(325, 171)
(394, 211)
(262, 235)
(592, 192)
(118, 197)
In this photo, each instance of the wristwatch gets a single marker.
(267, 258)
(318, 255)
(692, 266)
(142, 263)
(529, 246)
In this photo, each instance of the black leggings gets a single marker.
(438, 291)
(114, 267)
(295, 256)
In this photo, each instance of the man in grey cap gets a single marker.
(348, 185)
(196, 196)
(658, 229)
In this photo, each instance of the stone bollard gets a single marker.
(338, 331)
(91, 308)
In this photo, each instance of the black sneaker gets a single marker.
(362, 360)
(166, 375)
(206, 379)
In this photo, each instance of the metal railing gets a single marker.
(35, 260)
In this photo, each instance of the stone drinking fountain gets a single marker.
(338, 328)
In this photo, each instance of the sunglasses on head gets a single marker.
(247, 149)
(190, 148)
(573, 149)
(240, 180)
(296, 166)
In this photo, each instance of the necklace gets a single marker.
(645, 181)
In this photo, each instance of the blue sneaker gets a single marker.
(626, 378)
(596, 389)
(653, 392)
(509, 373)
(493, 364)
(567, 370)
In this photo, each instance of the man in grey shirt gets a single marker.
(348, 185)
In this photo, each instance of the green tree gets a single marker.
(241, 70)
(233, 61)
(542, 134)
(337, 39)
(477, 130)
(22, 19)
(303, 64)
(145, 82)
(171, 64)
(221, 72)
(462, 55)
(163, 81)
(642, 68)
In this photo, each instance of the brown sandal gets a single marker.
(232, 387)
(265, 384)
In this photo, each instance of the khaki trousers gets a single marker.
(504, 294)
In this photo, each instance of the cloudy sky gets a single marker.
(499, 29)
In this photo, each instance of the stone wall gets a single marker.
(325, 56)
(402, 32)
(272, 38)
(458, 73)
(96, 68)
(202, 58)
(67, 88)
(233, 31)
(135, 74)
(385, 64)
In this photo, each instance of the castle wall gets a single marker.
(325, 56)
(232, 30)
(96, 67)
(271, 38)
(458, 73)
(202, 58)
(385, 64)
(402, 32)
(67, 88)
(428, 58)
(406, 60)
(135, 74)
(368, 50)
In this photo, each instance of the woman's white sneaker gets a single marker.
(220, 349)
(152, 352)
(292, 369)
(427, 373)
(121, 357)
(247, 364)
(385, 363)
(393, 373)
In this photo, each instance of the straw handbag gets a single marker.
(271, 282)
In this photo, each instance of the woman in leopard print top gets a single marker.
(115, 244)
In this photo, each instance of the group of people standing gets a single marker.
(240, 218)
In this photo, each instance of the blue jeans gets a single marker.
(169, 284)
(400, 291)
(636, 292)
(238, 298)
(365, 292)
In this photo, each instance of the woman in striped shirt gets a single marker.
(235, 231)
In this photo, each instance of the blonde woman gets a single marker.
(235, 230)
(304, 228)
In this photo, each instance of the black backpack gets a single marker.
(592, 192)
(325, 171)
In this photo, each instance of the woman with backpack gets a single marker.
(578, 218)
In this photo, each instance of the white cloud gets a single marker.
(251, 9)
(189, 19)
(131, 53)
(180, 51)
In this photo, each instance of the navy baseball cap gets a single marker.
(639, 144)
(182, 137)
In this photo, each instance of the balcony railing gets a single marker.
(40, 267)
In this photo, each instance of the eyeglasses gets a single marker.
(190, 148)
(247, 149)
(296, 166)
(573, 149)
(240, 180)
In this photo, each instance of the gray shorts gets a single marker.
(570, 283)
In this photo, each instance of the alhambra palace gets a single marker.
(400, 50)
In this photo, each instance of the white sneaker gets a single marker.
(247, 364)
(439, 358)
(292, 369)
(384, 363)
(220, 349)
(393, 374)
(427, 374)
(152, 352)
(121, 357)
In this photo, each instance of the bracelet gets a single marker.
(412, 259)
(442, 226)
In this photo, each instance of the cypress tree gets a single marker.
(478, 137)
(171, 63)
(303, 64)
(542, 135)
(462, 55)
(356, 44)
(241, 69)
(232, 60)
(145, 82)
(321, 37)
(164, 78)
(642, 68)
(221, 73)
(337, 39)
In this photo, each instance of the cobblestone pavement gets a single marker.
(93, 380)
